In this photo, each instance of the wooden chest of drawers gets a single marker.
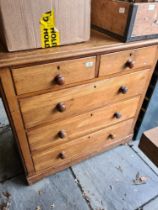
(67, 104)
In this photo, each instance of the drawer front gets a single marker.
(74, 101)
(127, 60)
(54, 75)
(82, 147)
(58, 133)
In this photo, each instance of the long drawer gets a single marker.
(69, 102)
(58, 133)
(82, 147)
(53, 75)
(128, 60)
(77, 100)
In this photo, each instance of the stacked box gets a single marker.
(28, 24)
(124, 20)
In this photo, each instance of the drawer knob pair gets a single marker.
(61, 107)
(123, 89)
(130, 64)
(62, 134)
(59, 80)
(117, 115)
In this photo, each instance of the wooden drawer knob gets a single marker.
(123, 89)
(111, 136)
(117, 115)
(61, 107)
(129, 64)
(62, 134)
(62, 155)
(59, 80)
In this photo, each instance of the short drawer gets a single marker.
(83, 147)
(53, 75)
(77, 100)
(58, 133)
(127, 60)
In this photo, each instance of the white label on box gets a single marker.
(89, 64)
(151, 7)
(121, 10)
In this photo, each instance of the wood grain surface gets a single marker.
(77, 100)
(47, 136)
(118, 62)
(81, 147)
(81, 112)
(14, 115)
(41, 77)
(106, 15)
(99, 43)
(148, 22)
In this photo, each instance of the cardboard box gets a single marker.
(124, 20)
(22, 27)
(149, 144)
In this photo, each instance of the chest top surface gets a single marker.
(99, 43)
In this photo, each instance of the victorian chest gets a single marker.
(69, 103)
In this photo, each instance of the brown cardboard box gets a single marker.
(20, 22)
